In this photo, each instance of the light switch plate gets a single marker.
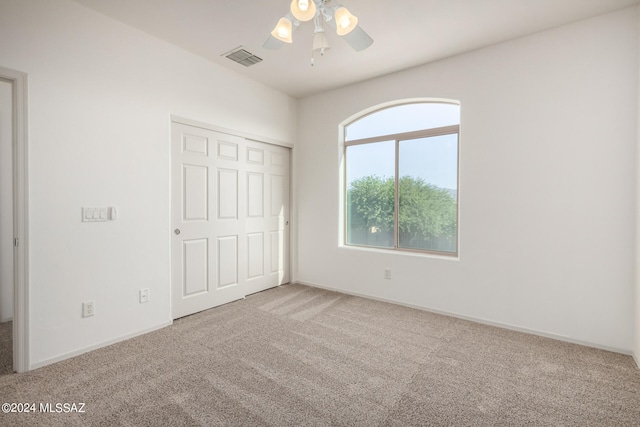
(95, 214)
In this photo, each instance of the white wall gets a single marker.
(547, 185)
(6, 203)
(100, 99)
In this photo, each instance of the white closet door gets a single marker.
(267, 215)
(223, 229)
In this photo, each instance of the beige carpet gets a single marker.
(6, 348)
(295, 355)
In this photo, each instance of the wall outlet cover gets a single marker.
(88, 309)
(144, 295)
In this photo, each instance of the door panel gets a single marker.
(255, 156)
(196, 266)
(227, 150)
(227, 194)
(227, 261)
(195, 144)
(195, 193)
(255, 195)
(277, 241)
(255, 255)
(243, 246)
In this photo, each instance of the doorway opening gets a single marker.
(14, 295)
(6, 227)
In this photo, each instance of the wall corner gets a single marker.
(636, 325)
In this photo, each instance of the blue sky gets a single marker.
(404, 118)
(427, 158)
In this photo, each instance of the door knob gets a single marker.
(177, 231)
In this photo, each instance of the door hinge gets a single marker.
(16, 242)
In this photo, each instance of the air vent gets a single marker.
(242, 56)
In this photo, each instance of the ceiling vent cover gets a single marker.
(242, 56)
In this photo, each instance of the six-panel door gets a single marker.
(230, 207)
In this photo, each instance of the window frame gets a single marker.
(397, 138)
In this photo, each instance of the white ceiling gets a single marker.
(406, 33)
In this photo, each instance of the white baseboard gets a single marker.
(6, 319)
(75, 353)
(480, 320)
(636, 357)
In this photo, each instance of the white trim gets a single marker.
(342, 150)
(636, 359)
(480, 320)
(208, 126)
(92, 347)
(389, 104)
(21, 219)
(293, 215)
(387, 251)
(405, 136)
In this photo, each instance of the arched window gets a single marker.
(401, 178)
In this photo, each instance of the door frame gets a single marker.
(250, 136)
(20, 219)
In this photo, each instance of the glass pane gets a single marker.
(370, 194)
(404, 118)
(428, 193)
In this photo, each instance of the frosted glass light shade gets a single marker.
(283, 30)
(303, 10)
(320, 42)
(345, 21)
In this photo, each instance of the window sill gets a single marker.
(410, 253)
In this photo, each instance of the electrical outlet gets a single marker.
(88, 308)
(144, 295)
(387, 273)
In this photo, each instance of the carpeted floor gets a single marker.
(295, 355)
(6, 348)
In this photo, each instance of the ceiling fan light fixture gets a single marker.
(283, 30)
(345, 21)
(303, 10)
(336, 17)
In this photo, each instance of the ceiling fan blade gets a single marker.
(273, 43)
(358, 39)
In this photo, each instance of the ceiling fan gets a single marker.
(321, 12)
